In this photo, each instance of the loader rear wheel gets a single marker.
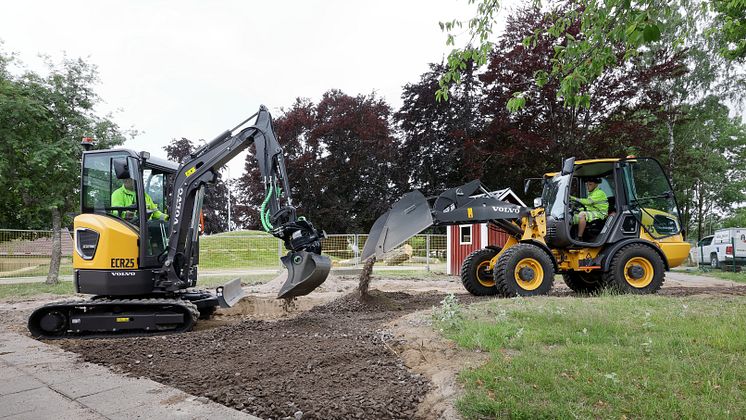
(524, 270)
(583, 282)
(476, 275)
(636, 269)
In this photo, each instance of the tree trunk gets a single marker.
(54, 264)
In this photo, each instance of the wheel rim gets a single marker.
(529, 274)
(638, 272)
(484, 274)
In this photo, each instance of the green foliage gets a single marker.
(449, 315)
(606, 357)
(42, 119)
(586, 37)
(736, 219)
(710, 161)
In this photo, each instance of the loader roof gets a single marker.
(591, 164)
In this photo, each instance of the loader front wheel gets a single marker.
(636, 269)
(586, 283)
(524, 270)
(476, 274)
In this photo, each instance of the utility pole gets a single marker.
(228, 187)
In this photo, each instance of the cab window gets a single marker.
(99, 183)
(651, 198)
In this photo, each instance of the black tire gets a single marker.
(645, 271)
(586, 283)
(519, 257)
(714, 262)
(476, 279)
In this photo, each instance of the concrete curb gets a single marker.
(40, 381)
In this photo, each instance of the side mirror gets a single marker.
(121, 169)
(568, 165)
(537, 202)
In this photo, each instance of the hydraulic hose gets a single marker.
(264, 214)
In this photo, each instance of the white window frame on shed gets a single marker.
(461, 236)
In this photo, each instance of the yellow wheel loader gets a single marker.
(627, 249)
(137, 250)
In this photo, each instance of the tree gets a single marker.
(435, 134)
(215, 203)
(340, 156)
(710, 173)
(635, 26)
(43, 120)
(622, 114)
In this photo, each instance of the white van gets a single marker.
(718, 249)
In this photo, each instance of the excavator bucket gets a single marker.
(306, 271)
(230, 293)
(407, 217)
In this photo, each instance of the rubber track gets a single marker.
(150, 302)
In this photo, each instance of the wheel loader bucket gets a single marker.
(407, 217)
(230, 293)
(306, 271)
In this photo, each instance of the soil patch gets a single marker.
(333, 361)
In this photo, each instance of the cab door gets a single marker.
(650, 198)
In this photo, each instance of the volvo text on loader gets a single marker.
(629, 250)
(141, 270)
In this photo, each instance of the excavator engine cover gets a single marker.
(306, 271)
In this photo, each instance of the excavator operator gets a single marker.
(596, 205)
(125, 196)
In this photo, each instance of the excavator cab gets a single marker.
(137, 238)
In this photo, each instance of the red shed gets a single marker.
(462, 240)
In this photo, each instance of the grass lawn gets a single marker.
(739, 277)
(20, 290)
(239, 250)
(605, 357)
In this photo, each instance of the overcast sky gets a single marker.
(192, 69)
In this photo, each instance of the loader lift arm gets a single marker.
(413, 213)
(306, 267)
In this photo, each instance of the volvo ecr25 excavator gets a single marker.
(138, 257)
(628, 250)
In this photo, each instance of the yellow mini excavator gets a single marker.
(628, 249)
(142, 269)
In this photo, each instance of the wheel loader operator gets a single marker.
(125, 196)
(596, 205)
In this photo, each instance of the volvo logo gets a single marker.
(123, 273)
(179, 199)
(506, 209)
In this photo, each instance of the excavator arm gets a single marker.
(413, 213)
(307, 268)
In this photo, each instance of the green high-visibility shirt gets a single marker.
(122, 197)
(597, 203)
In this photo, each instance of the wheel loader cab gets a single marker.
(639, 197)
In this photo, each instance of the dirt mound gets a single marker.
(333, 361)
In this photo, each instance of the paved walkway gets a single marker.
(40, 381)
